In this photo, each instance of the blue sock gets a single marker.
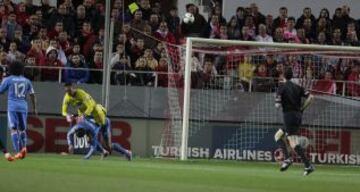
(117, 147)
(15, 141)
(23, 139)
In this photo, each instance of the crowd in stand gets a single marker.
(71, 36)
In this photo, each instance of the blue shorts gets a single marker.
(17, 120)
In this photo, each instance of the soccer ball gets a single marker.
(279, 155)
(188, 18)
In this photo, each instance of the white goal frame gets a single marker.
(187, 76)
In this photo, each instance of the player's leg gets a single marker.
(23, 136)
(13, 126)
(7, 155)
(295, 141)
(280, 139)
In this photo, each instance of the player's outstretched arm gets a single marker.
(307, 102)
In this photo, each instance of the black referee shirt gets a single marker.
(289, 95)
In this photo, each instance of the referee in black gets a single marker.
(289, 97)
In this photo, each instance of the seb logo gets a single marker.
(49, 134)
(328, 141)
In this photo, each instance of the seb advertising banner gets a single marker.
(215, 141)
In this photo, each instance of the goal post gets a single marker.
(213, 98)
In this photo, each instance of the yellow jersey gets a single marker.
(82, 100)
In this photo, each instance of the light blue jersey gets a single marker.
(18, 88)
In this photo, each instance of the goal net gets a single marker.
(221, 100)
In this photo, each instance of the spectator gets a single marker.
(30, 7)
(239, 17)
(346, 19)
(354, 77)
(80, 18)
(281, 20)
(324, 13)
(137, 50)
(145, 9)
(11, 25)
(337, 21)
(60, 52)
(92, 14)
(4, 60)
(290, 31)
(325, 85)
(263, 36)
(336, 37)
(96, 65)
(14, 53)
(322, 39)
(269, 24)
(54, 33)
(62, 15)
(306, 15)
(195, 29)
(46, 9)
(245, 34)
(163, 34)
(323, 26)
(76, 50)
(249, 22)
(309, 30)
(4, 41)
(261, 83)
(76, 71)
(173, 21)
(87, 39)
(22, 44)
(213, 28)
(52, 65)
(31, 71)
(154, 22)
(218, 12)
(151, 62)
(259, 18)
(207, 75)
(141, 77)
(246, 71)
(301, 35)
(162, 70)
(120, 62)
(233, 30)
(279, 35)
(138, 22)
(36, 51)
(352, 39)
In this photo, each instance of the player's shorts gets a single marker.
(99, 115)
(17, 120)
(292, 122)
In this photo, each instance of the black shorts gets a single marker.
(292, 122)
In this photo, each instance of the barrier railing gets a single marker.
(258, 84)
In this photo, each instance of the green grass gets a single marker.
(55, 173)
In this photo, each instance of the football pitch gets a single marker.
(55, 173)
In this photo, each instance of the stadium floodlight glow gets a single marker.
(194, 44)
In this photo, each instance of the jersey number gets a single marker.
(20, 90)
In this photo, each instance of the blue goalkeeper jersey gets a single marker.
(18, 88)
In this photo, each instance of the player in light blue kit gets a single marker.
(85, 127)
(91, 129)
(18, 88)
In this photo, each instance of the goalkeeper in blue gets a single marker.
(89, 128)
(18, 88)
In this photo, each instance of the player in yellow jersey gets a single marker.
(86, 105)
